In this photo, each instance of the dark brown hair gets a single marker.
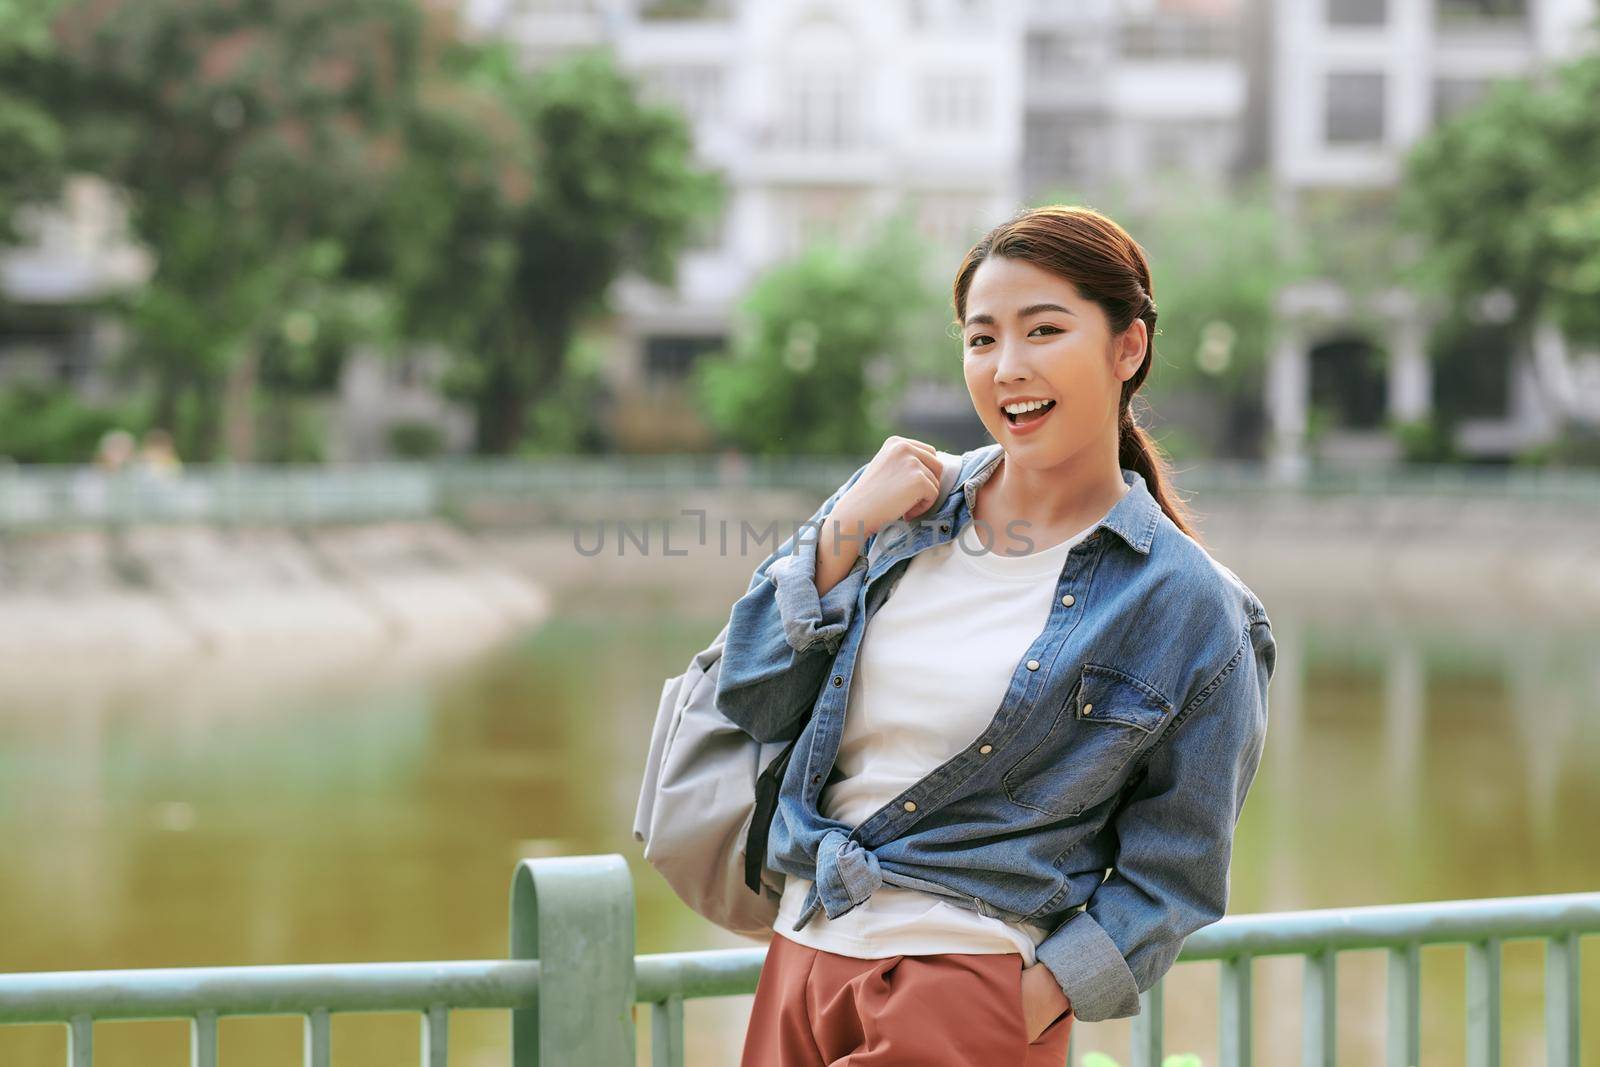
(1108, 268)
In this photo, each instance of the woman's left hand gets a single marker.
(1043, 1002)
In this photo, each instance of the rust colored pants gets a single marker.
(954, 1009)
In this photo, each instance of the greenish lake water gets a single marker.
(370, 818)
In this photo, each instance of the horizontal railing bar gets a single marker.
(733, 971)
(167, 993)
(722, 972)
(173, 993)
(1297, 933)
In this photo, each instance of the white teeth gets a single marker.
(1025, 406)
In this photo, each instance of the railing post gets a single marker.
(1148, 1029)
(574, 914)
(1403, 1036)
(80, 1041)
(1483, 1003)
(666, 1033)
(1561, 1000)
(1319, 1012)
(1236, 1023)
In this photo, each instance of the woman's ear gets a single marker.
(1131, 349)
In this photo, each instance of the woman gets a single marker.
(1015, 792)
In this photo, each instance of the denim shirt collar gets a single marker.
(1133, 518)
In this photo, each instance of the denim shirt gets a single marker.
(1101, 800)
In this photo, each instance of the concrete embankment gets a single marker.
(73, 599)
(96, 599)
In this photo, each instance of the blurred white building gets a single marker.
(1117, 91)
(73, 253)
(1353, 85)
(824, 114)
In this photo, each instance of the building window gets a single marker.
(1482, 10)
(1171, 35)
(1475, 363)
(821, 109)
(953, 102)
(1348, 383)
(950, 220)
(1056, 55)
(1058, 148)
(696, 91)
(669, 358)
(806, 216)
(1354, 108)
(1357, 12)
(1167, 150)
(1451, 96)
(706, 232)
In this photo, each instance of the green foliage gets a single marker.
(47, 423)
(1425, 440)
(571, 416)
(256, 141)
(1218, 258)
(1574, 446)
(442, 243)
(1505, 194)
(822, 348)
(414, 439)
(616, 191)
(1178, 1059)
(32, 140)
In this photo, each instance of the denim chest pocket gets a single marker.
(1108, 719)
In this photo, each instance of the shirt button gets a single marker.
(816, 777)
(1033, 664)
(911, 805)
(1067, 599)
(837, 680)
(1087, 708)
(986, 749)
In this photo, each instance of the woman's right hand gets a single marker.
(900, 482)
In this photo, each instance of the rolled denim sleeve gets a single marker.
(1174, 843)
(782, 634)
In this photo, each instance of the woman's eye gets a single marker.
(982, 337)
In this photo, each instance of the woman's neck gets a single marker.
(1051, 504)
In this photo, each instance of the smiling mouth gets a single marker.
(1028, 416)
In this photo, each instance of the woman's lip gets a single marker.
(1029, 427)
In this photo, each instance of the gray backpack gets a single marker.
(710, 790)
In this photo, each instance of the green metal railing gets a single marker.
(572, 979)
(60, 495)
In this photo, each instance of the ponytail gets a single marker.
(1138, 451)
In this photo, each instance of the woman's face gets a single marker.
(1029, 335)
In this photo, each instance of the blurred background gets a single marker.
(383, 384)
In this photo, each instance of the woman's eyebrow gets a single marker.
(1031, 309)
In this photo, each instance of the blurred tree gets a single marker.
(254, 139)
(1506, 196)
(616, 190)
(45, 422)
(1218, 259)
(822, 348)
(445, 242)
(31, 137)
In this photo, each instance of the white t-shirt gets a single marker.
(934, 664)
